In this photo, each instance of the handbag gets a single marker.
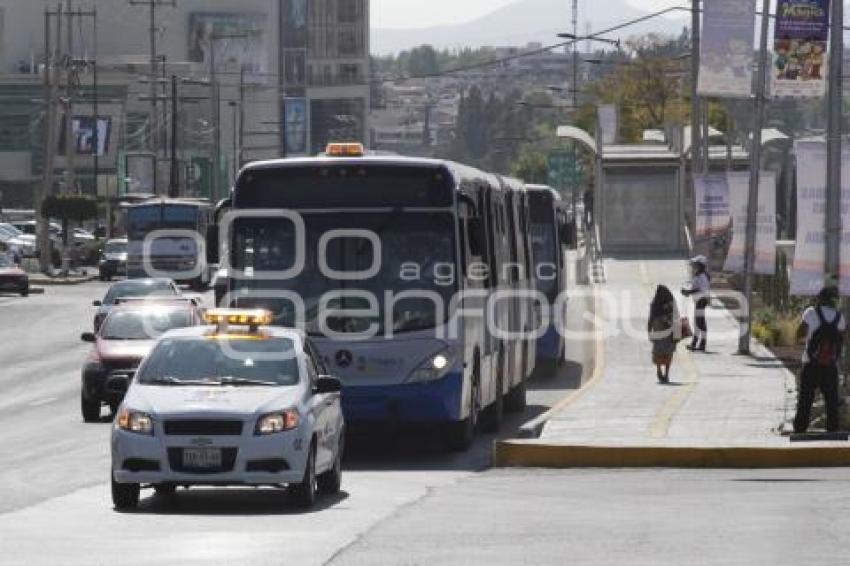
(686, 328)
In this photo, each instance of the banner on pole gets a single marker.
(608, 123)
(800, 48)
(712, 201)
(807, 276)
(765, 250)
(727, 55)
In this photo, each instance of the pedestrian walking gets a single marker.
(664, 329)
(824, 328)
(698, 290)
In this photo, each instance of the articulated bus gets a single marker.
(413, 277)
(177, 250)
(547, 237)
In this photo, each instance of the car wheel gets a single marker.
(125, 496)
(331, 481)
(25, 292)
(304, 493)
(90, 409)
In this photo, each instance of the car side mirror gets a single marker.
(328, 384)
(97, 304)
(87, 337)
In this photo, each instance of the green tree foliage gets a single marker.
(531, 166)
(69, 208)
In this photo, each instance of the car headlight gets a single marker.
(434, 367)
(135, 421)
(274, 423)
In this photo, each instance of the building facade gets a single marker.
(292, 75)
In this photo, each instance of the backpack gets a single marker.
(825, 345)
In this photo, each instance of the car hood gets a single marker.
(123, 349)
(177, 401)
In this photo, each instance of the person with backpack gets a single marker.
(824, 326)
(699, 289)
(664, 329)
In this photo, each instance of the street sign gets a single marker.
(564, 170)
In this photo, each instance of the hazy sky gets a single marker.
(424, 13)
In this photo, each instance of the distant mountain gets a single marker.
(526, 21)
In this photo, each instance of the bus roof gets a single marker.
(200, 202)
(459, 171)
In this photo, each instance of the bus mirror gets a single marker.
(212, 244)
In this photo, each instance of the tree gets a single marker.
(67, 208)
(531, 166)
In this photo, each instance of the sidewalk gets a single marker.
(721, 408)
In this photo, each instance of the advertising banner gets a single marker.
(727, 54)
(294, 23)
(246, 45)
(765, 256)
(297, 122)
(83, 128)
(712, 201)
(608, 123)
(800, 48)
(807, 276)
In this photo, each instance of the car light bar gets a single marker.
(355, 149)
(239, 317)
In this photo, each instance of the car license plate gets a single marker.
(201, 458)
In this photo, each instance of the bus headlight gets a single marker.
(433, 368)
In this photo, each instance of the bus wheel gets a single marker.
(515, 399)
(458, 437)
(491, 420)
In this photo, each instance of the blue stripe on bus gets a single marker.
(436, 401)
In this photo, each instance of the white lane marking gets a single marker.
(41, 402)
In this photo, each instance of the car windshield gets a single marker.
(115, 247)
(137, 289)
(215, 360)
(146, 324)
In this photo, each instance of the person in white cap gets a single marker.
(699, 290)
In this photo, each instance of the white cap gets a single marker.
(700, 259)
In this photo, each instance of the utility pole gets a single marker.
(696, 137)
(833, 149)
(152, 6)
(240, 156)
(174, 181)
(216, 116)
(70, 82)
(575, 105)
(755, 179)
(50, 57)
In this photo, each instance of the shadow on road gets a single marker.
(232, 501)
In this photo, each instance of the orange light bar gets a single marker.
(239, 317)
(355, 149)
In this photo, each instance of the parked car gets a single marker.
(11, 236)
(12, 277)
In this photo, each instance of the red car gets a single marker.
(125, 337)
(13, 278)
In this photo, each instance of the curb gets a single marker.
(48, 282)
(534, 454)
(36, 290)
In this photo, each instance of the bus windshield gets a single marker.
(417, 257)
(142, 220)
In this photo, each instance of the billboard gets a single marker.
(297, 123)
(727, 55)
(765, 246)
(712, 203)
(238, 40)
(84, 136)
(800, 48)
(295, 67)
(294, 23)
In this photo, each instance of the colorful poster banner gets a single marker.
(765, 256)
(727, 54)
(807, 275)
(297, 121)
(712, 204)
(800, 48)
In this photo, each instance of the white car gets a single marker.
(229, 405)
